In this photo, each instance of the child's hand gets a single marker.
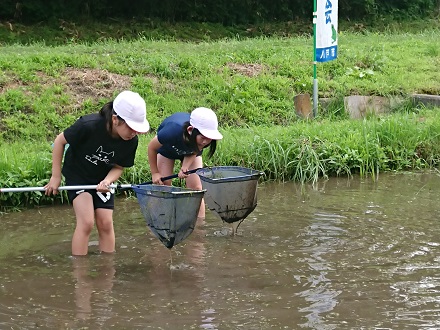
(182, 173)
(103, 186)
(156, 178)
(52, 186)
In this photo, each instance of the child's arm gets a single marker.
(112, 176)
(57, 159)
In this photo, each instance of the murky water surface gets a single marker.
(350, 254)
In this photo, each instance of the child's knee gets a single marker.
(104, 225)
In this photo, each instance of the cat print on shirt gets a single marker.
(100, 156)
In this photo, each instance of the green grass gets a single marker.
(250, 83)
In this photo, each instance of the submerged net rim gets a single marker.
(243, 174)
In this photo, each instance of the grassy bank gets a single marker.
(250, 83)
(303, 151)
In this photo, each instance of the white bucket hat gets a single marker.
(131, 107)
(205, 120)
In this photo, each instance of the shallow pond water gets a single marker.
(345, 254)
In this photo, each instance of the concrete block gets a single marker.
(427, 100)
(303, 105)
(359, 106)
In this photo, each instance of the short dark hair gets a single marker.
(107, 112)
(191, 139)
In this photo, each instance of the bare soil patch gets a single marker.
(93, 84)
(250, 69)
(79, 84)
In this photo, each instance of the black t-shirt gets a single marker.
(93, 151)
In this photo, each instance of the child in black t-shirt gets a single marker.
(100, 146)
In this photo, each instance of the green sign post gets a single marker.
(325, 39)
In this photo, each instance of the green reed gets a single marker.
(305, 151)
(25, 165)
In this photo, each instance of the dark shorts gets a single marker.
(100, 200)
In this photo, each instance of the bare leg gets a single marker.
(106, 232)
(193, 182)
(165, 167)
(85, 220)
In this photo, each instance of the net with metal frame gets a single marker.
(170, 212)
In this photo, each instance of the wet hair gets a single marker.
(107, 112)
(191, 139)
